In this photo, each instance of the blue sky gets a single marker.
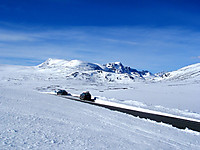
(156, 35)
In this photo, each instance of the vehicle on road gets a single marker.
(62, 92)
(86, 96)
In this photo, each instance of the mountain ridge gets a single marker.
(78, 67)
(116, 71)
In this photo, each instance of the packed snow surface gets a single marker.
(31, 119)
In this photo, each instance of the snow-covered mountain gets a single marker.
(117, 67)
(76, 64)
(112, 72)
(188, 73)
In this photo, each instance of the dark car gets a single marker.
(62, 92)
(85, 96)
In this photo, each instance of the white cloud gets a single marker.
(34, 36)
(121, 41)
(14, 37)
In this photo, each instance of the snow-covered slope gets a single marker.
(31, 120)
(191, 73)
(75, 64)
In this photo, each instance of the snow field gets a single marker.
(31, 120)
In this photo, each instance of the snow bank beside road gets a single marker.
(170, 98)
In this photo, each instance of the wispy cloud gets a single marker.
(195, 57)
(11, 37)
(121, 41)
(133, 46)
(65, 34)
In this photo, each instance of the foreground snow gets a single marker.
(31, 120)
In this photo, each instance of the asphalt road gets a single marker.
(174, 121)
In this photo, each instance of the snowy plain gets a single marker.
(34, 120)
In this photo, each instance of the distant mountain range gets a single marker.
(111, 72)
(114, 72)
